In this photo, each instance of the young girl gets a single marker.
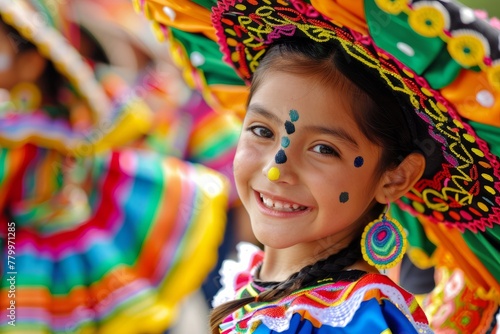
(345, 159)
(335, 130)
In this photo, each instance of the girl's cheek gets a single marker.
(246, 157)
(239, 158)
(237, 163)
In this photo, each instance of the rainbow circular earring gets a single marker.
(383, 242)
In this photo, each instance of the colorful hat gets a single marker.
(432, 54)
(113, 122)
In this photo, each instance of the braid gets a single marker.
(332, 264)
(311, 273)
(307, 275)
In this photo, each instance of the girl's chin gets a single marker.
(275, 238)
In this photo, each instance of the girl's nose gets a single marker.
(275, 171)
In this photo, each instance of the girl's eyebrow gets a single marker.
(256, 108)
(335, 132)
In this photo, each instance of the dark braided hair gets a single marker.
(308, 275)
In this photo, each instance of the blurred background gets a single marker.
(117, 202)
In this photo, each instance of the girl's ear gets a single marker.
(397, 182)
(29, 66)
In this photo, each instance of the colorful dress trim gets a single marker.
(116, 254)
(349, 301)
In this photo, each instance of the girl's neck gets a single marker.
(279, 264)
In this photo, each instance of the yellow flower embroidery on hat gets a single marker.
(428, 21)
(392, 6)
(468, 49)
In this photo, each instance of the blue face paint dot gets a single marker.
(285, 141)
(289, 127)
(358, 162)
(294, 115)
(280, 157)
(344, 197)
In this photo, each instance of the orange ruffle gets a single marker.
(183, 15)
(346, 12)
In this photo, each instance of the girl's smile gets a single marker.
(279, 207)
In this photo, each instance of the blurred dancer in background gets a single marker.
(104, 235)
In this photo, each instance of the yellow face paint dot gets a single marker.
(273, 174)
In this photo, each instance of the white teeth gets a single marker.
(281, 206)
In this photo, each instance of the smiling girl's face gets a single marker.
(329, 179)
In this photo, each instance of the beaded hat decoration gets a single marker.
(463, 189)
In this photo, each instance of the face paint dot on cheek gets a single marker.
(289, 127)
(285, 141)
(344, 197)
(294, 115)
(358, 162)
(280, 157)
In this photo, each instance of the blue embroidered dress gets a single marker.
(346, 302)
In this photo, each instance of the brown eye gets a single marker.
(325, 149)
(261, 131)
